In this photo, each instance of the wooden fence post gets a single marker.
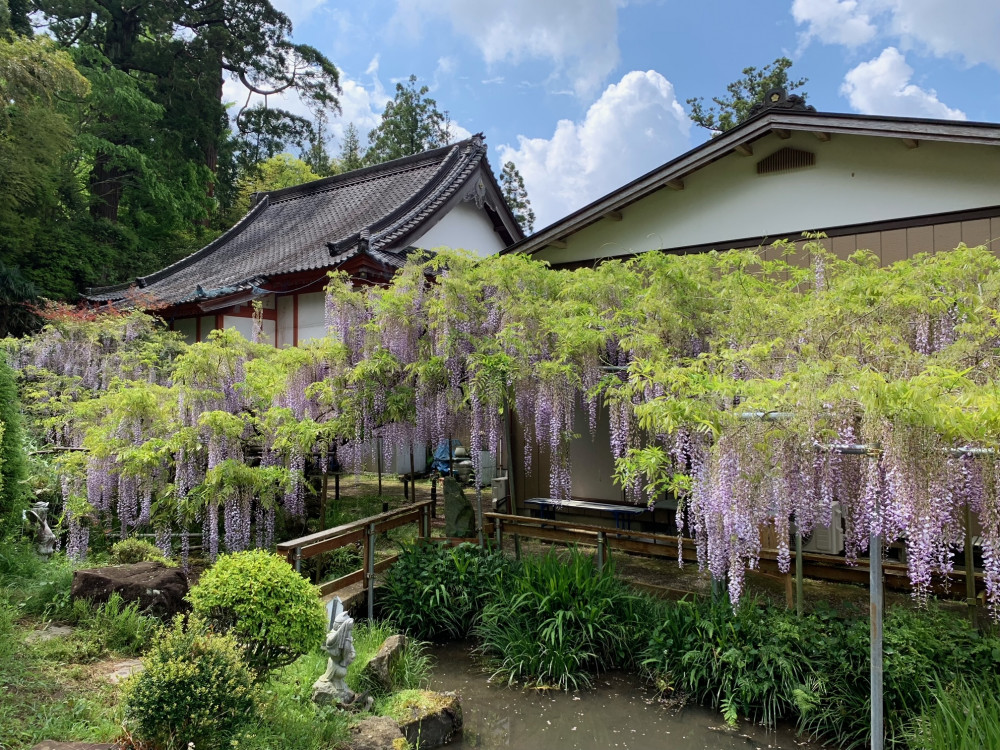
(370, 570)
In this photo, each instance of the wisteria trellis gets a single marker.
(675, 352)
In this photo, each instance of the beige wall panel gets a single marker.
(976, 232)
(919, 240)
(844, 246)
(947, 236)
(870, 241)
(995, 234)
(893, 246)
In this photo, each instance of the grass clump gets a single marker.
(410, 671)
(961, 715)
(435, 592)
(559, 622)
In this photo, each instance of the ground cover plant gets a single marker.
(437, 592)
(558, 622)
(765, 663)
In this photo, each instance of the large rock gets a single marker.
(159, 590)
(376, 733)
(432, 722)
(378, 671)
(459, 516)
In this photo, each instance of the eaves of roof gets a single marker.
(768, 121)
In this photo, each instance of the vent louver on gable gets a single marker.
(786, 159)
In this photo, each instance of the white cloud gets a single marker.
(298, 10)
(834, 21)
(636, 125)
(580, 37)
(969, 29)
(882, 87)
(966, 29)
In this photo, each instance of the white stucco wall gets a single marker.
(188, 328)
(311, 316)
(856, 179)
(245, 327)
(466, 227)
(286, 321)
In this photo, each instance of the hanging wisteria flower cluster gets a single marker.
(761, 394)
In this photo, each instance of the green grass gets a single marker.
(411, 671)
(959, 716)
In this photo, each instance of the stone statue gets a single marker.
(339, 646)
(36, 521)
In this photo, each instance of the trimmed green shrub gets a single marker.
(438, 592)
(195, 688)
(273, 612)
(558, 622)
(132, 550)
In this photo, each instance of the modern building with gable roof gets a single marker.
(363, 222)
(895, 186)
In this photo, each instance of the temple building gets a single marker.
(364, 223)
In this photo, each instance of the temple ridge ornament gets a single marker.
(331, 688)
(778, 98)
(477, 194)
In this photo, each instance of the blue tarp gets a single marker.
(441, 455)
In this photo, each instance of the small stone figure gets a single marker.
(331, 687)
(36, 520)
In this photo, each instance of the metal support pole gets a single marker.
(370, 571)
(413, 477)
(336, 487)
(799, 603)
(378, 463)
(425, 517)
(875, 591)
(517, 546)
(298, 560)
(479, 515)
(499, 531)
(434, 497)
(600, 551)
(970, 567)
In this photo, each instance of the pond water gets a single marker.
(618, 713)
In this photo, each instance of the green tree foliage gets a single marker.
(13, 467)
(351, 157)
(17, 299)
(315, 153)
(741, 95)
(280, 171)
(514, 192)
(120, 151)
(411, 123)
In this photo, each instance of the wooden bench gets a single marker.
(623, 514)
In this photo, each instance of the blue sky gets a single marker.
(584, 95)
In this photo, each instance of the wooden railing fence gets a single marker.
(366, 531)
